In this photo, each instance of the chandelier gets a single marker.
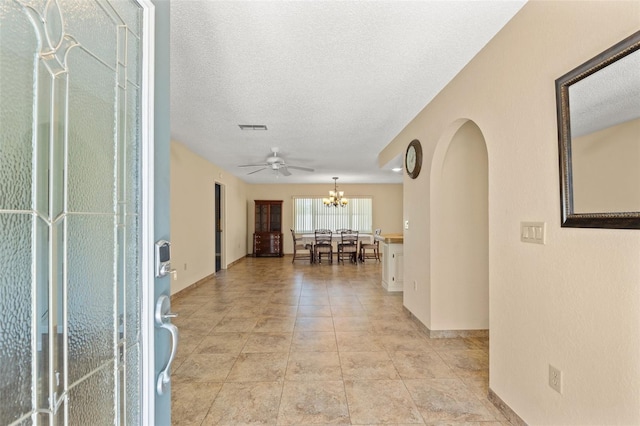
(336, 198)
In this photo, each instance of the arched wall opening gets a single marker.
(460, 231)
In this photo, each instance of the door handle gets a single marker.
(162, 315)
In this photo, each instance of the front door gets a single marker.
(75, 226)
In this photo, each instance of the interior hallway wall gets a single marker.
(574, 302)
(193, 182)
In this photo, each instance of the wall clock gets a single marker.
(413, 159)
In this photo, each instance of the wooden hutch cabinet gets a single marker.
(267, 238)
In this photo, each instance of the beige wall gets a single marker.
(606, 169)
(574, 302)
(193, 182)
(387, 204)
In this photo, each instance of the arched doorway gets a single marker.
(460, 232)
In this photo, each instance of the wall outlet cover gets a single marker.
(555, 379)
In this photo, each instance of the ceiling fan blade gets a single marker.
(252, 165)
(256, 171)
(284, 171)
(306, 169)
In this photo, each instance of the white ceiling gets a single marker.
(333, 81)
(608, 97)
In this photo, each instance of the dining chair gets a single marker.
(323, 244)
(375, 246)
(348, 245)
(301, 250)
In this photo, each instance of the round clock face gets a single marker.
(413, 159)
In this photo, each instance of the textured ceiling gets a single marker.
(334, 81)
(610, 96)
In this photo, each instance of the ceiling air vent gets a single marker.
(252, 126)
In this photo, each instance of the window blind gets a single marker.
(310, 213)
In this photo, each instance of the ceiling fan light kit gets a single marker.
(336, 198)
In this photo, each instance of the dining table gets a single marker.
(336, 238)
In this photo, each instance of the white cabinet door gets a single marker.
(392, 267)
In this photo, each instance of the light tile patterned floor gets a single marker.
(275, 343)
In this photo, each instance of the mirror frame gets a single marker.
(617, 220)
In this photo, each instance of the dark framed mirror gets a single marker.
(598, 108)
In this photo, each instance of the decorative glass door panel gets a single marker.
(275, 219)
(70, 190)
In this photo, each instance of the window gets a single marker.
(309, 214)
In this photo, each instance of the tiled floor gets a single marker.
(268, 342)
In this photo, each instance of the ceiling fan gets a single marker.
(277, 164)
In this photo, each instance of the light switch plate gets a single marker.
(406, 224)
(533, 232)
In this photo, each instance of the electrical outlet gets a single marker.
(415, 285)
(185, 266)
(555, 379)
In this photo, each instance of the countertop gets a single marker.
(391, 238)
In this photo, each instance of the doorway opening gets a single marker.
(460, 231)
(218, 219)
